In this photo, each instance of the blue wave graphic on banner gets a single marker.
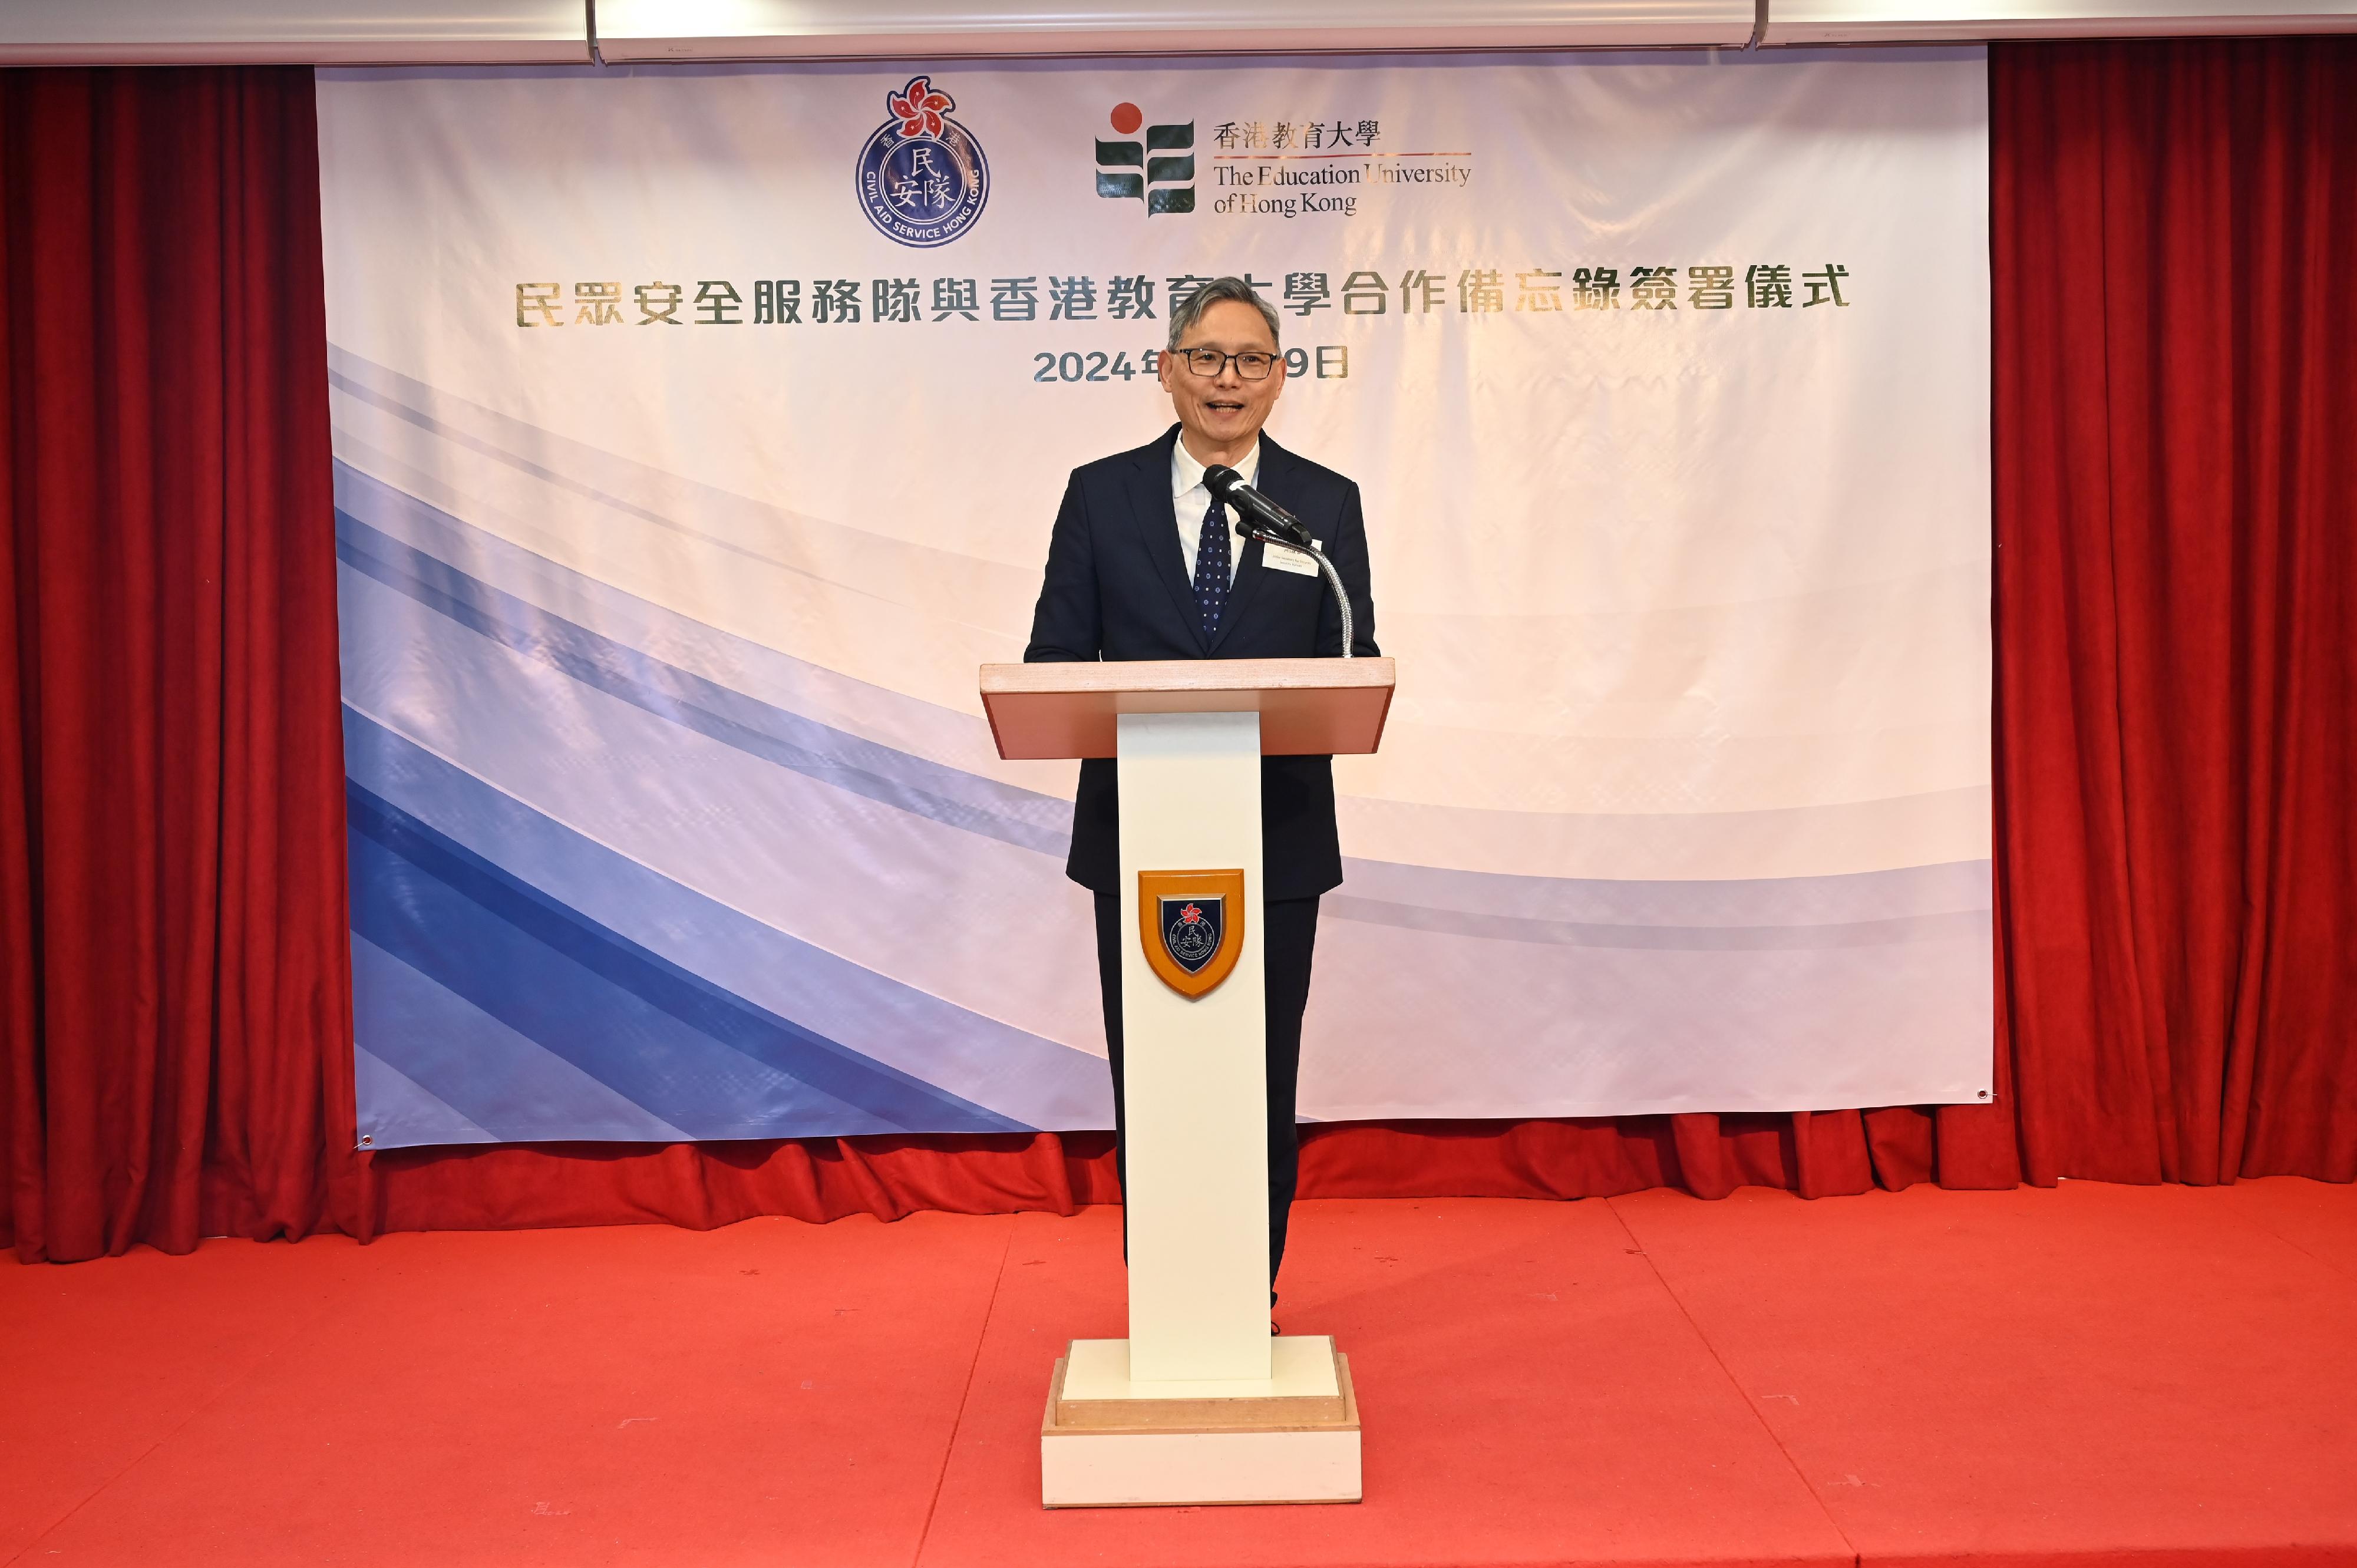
(462, 1053)
(819, 751)
(520, 977)
(625, 1015)
(516, 980)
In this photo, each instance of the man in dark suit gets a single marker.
(1144, 565)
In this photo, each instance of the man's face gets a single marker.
(1224, 411)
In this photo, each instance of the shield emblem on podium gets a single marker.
(1193, 923)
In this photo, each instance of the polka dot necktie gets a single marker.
(1211, 568)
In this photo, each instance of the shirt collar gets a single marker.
(1185, 473)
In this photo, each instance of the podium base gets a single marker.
(1289, 1438)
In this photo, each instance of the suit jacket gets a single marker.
(1116, 587)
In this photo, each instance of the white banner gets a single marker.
(698, 431)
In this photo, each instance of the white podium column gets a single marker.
(1195, 1074)
(1199, 1404)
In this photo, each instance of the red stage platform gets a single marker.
(2094, 1375)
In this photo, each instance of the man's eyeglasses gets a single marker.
(1252, 364)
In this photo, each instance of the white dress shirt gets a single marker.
(1190, 500)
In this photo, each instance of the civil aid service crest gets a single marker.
(921, 176)
(1193, 923)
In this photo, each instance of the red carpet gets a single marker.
(2094, 1375)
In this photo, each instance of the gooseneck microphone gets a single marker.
(1258, 517)
(1228, 487)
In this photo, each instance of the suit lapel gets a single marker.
(1275, 465)
(1157, 531)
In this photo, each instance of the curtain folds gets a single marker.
(2177, 564)
(2175, 518)
(175, 1060)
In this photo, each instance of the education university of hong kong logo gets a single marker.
(921, 177)
(1192, 924)
(1158, 171)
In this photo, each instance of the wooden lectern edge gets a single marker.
(1384, 719)
(1080, 677)
(1051, 679)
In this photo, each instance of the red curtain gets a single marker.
(2176, 569)
(175, 1056)
(2176, 502)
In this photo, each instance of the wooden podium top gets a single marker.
(1307, 706)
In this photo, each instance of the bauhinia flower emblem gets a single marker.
(919, 106)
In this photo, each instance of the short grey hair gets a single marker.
(1186, 314)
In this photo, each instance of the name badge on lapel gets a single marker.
(1286, 558)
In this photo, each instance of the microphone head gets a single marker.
(1220, 480)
